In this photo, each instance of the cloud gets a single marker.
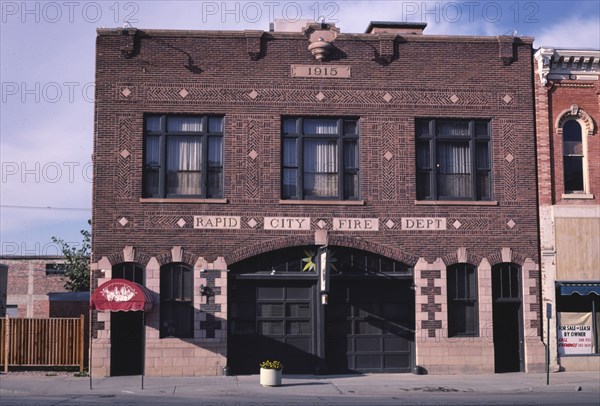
(574, 32)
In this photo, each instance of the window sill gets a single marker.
(324, 202)
(577, 196)
(455, 203)
(183, 200)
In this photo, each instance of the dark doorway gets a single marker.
(126, 343)
(508, 332)
(126, 331)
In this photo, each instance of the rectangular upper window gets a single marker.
(183, 156)
(320, 158)
(453, 159)
(56, 269)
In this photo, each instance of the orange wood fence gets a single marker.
(42, 342)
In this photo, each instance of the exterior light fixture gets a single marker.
(205, 291)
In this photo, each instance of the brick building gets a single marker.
(232, 168)
(30, 279)
(567, 91)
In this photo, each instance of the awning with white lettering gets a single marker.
(581, 288)
(121, 295)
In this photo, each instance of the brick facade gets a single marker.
(245, 76)
(29, 285)
(567, 87)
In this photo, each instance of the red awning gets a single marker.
(121, 295)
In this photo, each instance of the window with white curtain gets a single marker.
(183, 156)
(320, 158)
(453, 159)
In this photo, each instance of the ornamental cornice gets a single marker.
(567, 64)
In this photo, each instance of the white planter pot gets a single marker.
(270, 377)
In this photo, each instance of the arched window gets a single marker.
(573, 157)
(176, 301)
(463, 317)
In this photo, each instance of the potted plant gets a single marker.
(270, 373)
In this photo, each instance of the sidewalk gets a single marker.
(17, 384)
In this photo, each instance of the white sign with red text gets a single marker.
(575, 335)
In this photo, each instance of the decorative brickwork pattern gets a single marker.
(509, 167)
(157, 93)
(253, 159)
(211, 324)
(389, 146)
(124, 166)
(431, 308)
(474, 223)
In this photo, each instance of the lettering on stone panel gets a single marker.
(287, 223)
(355, 224)
(320, 71)
(424, 223)
(217, 222)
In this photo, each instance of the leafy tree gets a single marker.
(77, 262)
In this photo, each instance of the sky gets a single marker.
(47, 77)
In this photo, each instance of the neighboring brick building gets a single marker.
(225, 161)
(567, 90)
(30, 279)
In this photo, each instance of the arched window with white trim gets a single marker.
(573, 157)
(574, 126)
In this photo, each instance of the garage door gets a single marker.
(370, 326)
(271, 320)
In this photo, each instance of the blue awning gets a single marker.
(569, 288)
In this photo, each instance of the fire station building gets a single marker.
(337, 201)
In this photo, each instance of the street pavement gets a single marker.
(565, 388)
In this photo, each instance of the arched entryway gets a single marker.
(276, 312)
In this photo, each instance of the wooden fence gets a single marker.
(50, 342)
